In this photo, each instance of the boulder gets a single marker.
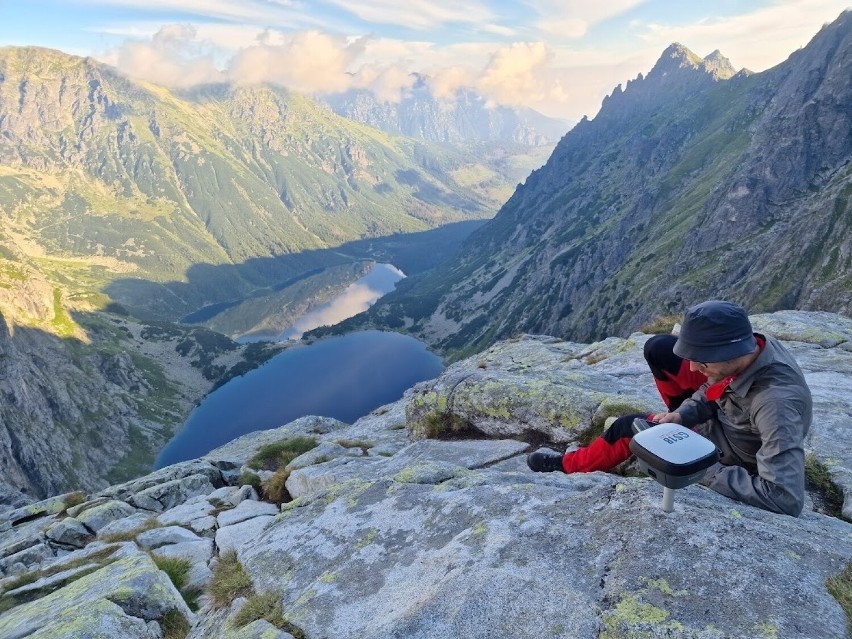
(157, 537)
(242, 494)
(43, 508)
(247, 509)
(100, 515)
(69, 532)
(129, 526)
(121, 597)
(172, 493)
(191, 510)
(236, 536)
(488, 553)
(166, 476)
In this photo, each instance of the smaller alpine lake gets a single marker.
(342, 377)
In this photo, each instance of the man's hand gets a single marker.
(666, 418)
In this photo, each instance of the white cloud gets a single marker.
(251, 11)
(170, 58)
(388, 84)
(514, 75)
(543, 73)
(573, 18)
(445, 81)
(566, 27)
(500, 30)
(307, 62)
(756, 40)
(313, 62)
(418, 14)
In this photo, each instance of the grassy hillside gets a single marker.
(122, 190)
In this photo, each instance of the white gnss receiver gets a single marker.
(672, 454)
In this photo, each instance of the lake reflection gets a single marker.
(342, 377)
(357, 297)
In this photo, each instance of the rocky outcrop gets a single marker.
(387, 531)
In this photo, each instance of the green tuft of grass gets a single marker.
(7, 602)
(661, 325)
(829, 496)
(176, 568)
(75, 499)
(24, 580)
(277, 455)
(174, 625)
(178, 571)
(275, 489)
(230, 580)
(248, 478)
(840, 587)
(257, 607)
(130, 535)
(268, 607)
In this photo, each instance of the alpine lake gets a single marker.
(342, 377)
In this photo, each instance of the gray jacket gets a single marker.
(759, 424)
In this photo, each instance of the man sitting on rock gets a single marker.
(742, 390)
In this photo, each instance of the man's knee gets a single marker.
(659, 354)
(621, 427)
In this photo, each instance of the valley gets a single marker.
(127, 207)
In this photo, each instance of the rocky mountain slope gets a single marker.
(90, 397)
(509, 142)
(464, 118)
(94, 405)
(692, 182)
(421, 520)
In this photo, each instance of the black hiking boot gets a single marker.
(545, 461)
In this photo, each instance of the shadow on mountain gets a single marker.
(85, 404)
(209, 289)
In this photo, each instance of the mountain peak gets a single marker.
(677, 55)
(718, 66)
(677, 61)
(676, 58)
(677, 70)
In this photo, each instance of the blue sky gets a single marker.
(560, 57)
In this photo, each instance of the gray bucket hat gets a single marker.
(715, 331)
